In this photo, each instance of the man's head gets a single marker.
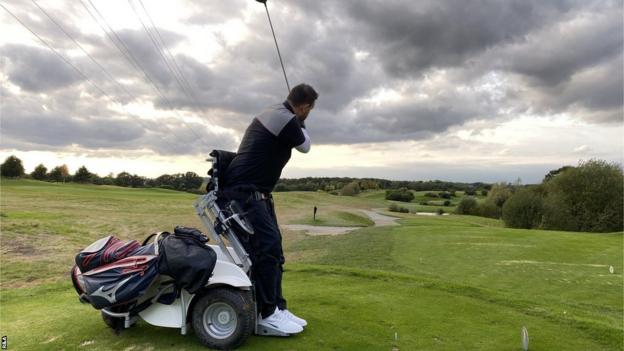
(302, 98)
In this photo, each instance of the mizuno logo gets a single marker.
(109, 294)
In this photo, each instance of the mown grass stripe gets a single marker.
(603, 334)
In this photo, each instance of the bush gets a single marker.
(524, 209)
(350, 189)
(444, 195)
(12, 167)
(403, 195)
(430, 194)
(585, 198)
(397, 208)
(440, 211)
(484, 192)
(447, 203)
(490, 210)
(470, 192)
(467, 206)
(499, 194)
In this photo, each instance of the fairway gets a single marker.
(430, 283)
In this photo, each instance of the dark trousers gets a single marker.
(267, 257)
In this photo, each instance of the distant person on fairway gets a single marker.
(264, 151)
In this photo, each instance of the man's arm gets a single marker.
(305, 146)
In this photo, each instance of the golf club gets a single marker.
(276, 46)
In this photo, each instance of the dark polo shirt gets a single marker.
(265, 149)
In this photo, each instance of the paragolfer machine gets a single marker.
(128, 281)
(222, 313)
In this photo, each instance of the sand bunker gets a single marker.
(379, 219)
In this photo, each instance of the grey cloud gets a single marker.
(552, 56)
(596, 93)
(214, 12)
(35, 69)
(415, 36)
(57, 130)
(391, 122)
(32, 127)
(545, 57)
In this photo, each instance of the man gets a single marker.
(264, 151)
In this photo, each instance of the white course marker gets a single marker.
(525, 339)
(611, 270)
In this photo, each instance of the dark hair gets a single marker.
(302, 94)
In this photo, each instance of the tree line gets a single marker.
(587, 198)
(189, 181)
(352, 186)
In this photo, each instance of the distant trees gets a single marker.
(350, 189)
(331, 184)
(12, 167)
(59, 173)
(524, 209)
(40, 172)
(552, 174)
(588, 197)
(493, 205)
(82, 175)
(467, 206)
(403, 195)
(189, 181)
(396, 208)
(123, 179)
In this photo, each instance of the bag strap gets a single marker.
(156, 240)
(148, 238)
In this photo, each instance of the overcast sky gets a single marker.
(452, 90)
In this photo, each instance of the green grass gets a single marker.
(439, 283)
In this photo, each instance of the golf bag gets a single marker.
(110, 272)
(185, 257)
(104, 251)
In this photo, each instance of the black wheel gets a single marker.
(223, 318)
(115, 323)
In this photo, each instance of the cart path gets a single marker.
(379, 219)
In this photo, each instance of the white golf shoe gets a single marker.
(278, 324)
(302, 322)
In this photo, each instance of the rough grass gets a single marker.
(438, 283)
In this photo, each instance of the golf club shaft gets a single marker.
(277, 46)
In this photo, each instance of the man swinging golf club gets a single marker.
(264, 151)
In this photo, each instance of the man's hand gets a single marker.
(301, 121)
